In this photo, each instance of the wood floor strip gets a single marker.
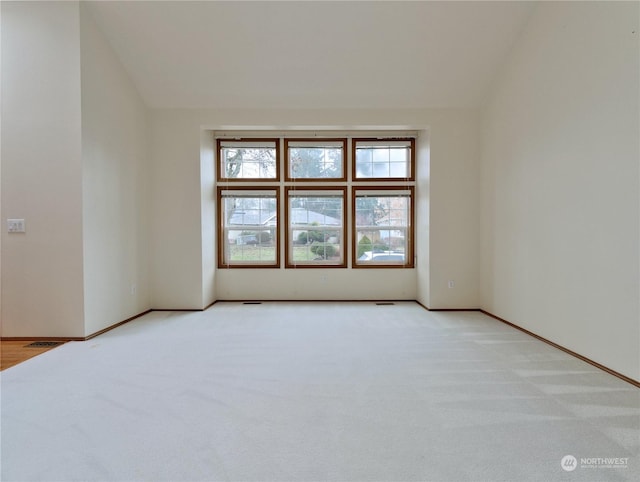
(17, 351)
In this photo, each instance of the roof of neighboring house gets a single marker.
(389, 221)
(252, 217)
(299, 216)
(304, 216)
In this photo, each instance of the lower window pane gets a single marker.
(250, 228)
(382, 235)
(252, 246)
(381, 246)
(315, 231)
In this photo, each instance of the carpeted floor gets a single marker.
(315, 391)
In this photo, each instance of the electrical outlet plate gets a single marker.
(15, 225)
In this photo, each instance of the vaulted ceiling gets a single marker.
(340, 54)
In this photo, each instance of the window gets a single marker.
(315, 159)
(248, 159)
(346, 202)
(383, 159)
(383, 231)
(249, 228)
(315, 227)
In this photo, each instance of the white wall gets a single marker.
(207, 218)
(176, 225)
(423, 172)
(115, 176)
(316, 284)
(42, 273)
(454, 211)
(183, 207)
(74, 166)
(560, 182)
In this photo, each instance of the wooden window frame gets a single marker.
(222, 264)
(410, 248)
(412, 159)
(288, 241)
(219, 169)
(282, 187)
(318, 141)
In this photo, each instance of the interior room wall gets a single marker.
(114, 180)
(208, 213)
(176, 262)
(42, 270)
(560, 182)
(183, 207)
(454, 211)
(423, 171)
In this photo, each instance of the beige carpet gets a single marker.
(315, 391)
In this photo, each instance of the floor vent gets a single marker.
(43, 344)
(252, 303)
(385, 303)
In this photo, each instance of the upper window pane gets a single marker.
(317, 159)
(380, 159)
(248, 160)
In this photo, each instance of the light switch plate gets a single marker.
(16, 225)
